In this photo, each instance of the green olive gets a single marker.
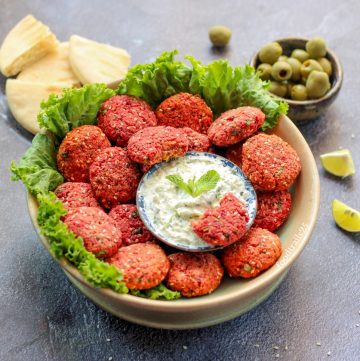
(308, 66)
(298, 92)
(219, 35)
(295, 66)
(300, 54)
(316, 47)
(278, 89)
(283, 58)
(317, 84)
(289, 85)
(326, 65)
(264, 71)
(269, 53)
(281, 70)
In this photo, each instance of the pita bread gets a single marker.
(24, 98)
(93, 62)
(25, 44)
(52, 68)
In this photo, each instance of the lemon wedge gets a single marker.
(339, 163)
(346, 217)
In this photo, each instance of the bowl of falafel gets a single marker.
(175, 156)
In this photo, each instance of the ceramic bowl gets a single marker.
(302, 111)
(234, 297)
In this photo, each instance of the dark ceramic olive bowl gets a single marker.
(302, 111)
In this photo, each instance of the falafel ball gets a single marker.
(223, 225)
(234, 153)
(121, 116)
(253, 254)
(269, 162)
(76, 194)
(156, 144)
(185, 110)
(98, 231)
(197, 142)
(194, 274)
(273, 209)
(235, 125)
(78, 150)
(143, 265)
(130, 224)
(114, 177)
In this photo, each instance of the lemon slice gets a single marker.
(339, 163)
(346, 217)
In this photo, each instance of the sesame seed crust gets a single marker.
(114, 177)
(269, 162)
(194, 274)
(143, 265)
(121, 116)
(185, 110)
(257, 251)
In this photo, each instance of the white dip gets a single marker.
(171, 210)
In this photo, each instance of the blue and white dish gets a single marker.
(144, 203)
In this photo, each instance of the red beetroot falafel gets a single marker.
(197, 142)
(76, 194)
(234, 154)
(273, 209)
(269, 162)
(223, 225)
(253, 254)
(155, 144)
(143, 265)
(114, 177)
(121, 116)
(130, 224)
(98, 231)
(235, 125)
(185, 110)
(78, 150)
(194, 274)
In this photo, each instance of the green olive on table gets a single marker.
(316, 47)
(298, 92)
(269, 53)
(295, 66)
(317, 84)
(281, 70)
(300, 54)
(264, 71)
(278, 89)
(289, 85)
(308, 66)
(283, 58)
(326, 65)
(220, 35)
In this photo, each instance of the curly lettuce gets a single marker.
(222, 86)
(37, 167)
(72, 108)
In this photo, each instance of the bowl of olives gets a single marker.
(303, 72)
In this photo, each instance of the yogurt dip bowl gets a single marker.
(234, 297)
(167, 211)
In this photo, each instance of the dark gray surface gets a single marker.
(43, 317)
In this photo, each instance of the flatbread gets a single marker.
(24, 98)
(25, 44)
(52, 68)
(93, 62)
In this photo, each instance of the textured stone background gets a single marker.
(43, 317)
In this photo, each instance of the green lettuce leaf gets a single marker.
(72, 108)
(64, 243)
(157, 293)
(37, 167)
(157, 81)
(222, 86)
